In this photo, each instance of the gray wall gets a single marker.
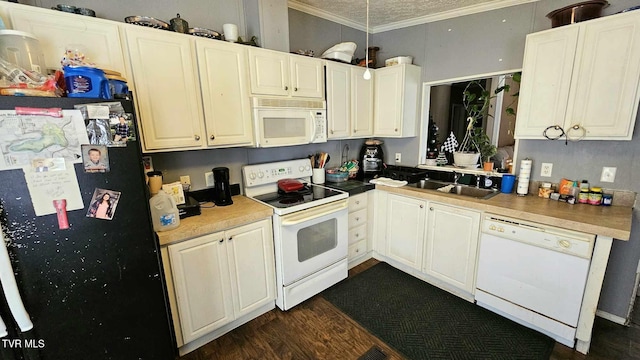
(474, 45)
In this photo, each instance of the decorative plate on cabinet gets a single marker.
(211, 34)
(147, 21)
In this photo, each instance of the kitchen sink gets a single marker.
(458, 189)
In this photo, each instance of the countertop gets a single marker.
(612, 221)
(243, 211)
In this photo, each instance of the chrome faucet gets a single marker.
(456, 177)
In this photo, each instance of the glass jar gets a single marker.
(595, 196)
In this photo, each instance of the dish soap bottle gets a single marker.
(164, 212)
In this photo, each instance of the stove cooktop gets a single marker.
(307, 195)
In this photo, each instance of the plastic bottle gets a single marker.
(164, 212)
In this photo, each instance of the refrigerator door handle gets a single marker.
(11, 290)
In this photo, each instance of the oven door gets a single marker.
(312, 239)
(283, 127)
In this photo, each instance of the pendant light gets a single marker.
(367, 73)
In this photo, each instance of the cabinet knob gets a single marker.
(396, 130)
(295, 89)
(421, 206)
(331, 131)
(357, 202)
(286, 88)
(431, 208)
(357, 219)
(230, 238)
(355, 131)
(221, 241)
(357, 235)
(212, 137)
(197, 137)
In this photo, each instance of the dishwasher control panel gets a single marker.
(558, 239)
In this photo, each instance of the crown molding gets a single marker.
(468, 10)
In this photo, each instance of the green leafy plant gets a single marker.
(486, 148)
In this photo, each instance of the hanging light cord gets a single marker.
(367, 74)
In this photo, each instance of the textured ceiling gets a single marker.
(389, 14)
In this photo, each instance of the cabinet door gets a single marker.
(251, 260)
(338, 100)
(361, 103)
(546, 78)
(203, 289)
(269, 72)
(604, 95)
(225, 96)
(388, 101)
(405, 229)
(307, 77)
(168, 89)
(98, 39)
(451, 245)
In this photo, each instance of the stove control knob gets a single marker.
(307, 167)
(301, 168)
(252, 176)
(260, 174)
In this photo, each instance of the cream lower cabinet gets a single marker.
(405, 229)
(358, 215)
(583, 78)
(220, 277)
(451, 245)
(192, 93)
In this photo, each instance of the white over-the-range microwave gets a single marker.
(284, 122)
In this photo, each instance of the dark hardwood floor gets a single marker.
(316, 329)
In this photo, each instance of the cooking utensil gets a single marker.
(179, 24)
(147, 21)
(290, 185)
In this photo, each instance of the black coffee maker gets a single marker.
(371, 159)
(221, 189)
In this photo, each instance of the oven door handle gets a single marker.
(313, 213)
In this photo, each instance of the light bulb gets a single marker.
(367, 75)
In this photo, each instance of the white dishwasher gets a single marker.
(533, 274)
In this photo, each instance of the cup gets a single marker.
(317, 176)
(155, 182)
(230, 32)
(508, 180)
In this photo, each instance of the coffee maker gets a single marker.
(371, 159)
(221, 189)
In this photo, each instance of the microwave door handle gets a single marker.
(10, 288)
(313, 127)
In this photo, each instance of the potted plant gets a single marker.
(486, 148)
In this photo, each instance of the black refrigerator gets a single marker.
(95, 290)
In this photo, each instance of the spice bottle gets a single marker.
(583, 196)
(595, 196)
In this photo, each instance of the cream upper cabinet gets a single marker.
(405, 229)
(361, 103)
(168, 91)
(281, 74)
(349, 102)
(396, 100)
(98, 39)
(583, 78)
(221, 277)
(338, 100)
(225, 93)
(451, 245)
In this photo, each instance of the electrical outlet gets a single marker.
(208, 178)
(546, 170)
(185, 179)
(608, 174)
(398, 157)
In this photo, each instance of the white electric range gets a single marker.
(309, 229)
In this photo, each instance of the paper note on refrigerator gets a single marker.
(45, 187)
(27, 137)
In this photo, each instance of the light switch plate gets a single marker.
(608, 174)
(208, 179)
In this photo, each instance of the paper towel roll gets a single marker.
(523, 177)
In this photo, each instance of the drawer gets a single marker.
(357, 249)
(358, 202)
(358, 233)
(357, 218)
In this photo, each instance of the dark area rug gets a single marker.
(424, 322)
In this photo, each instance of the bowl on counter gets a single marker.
(336, 175)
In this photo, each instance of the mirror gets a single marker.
(443, 102)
